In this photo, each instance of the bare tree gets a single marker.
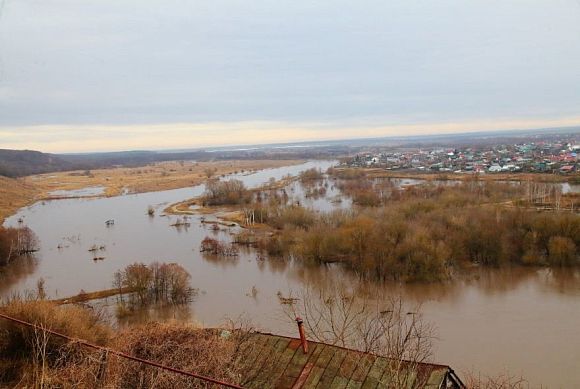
(26, 241)
(369, 322)
(500, 381)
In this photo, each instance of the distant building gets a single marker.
(567, 169)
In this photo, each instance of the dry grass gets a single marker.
(154, 177)
(71, 320)
(33, 358)
(180, 345)
(15, 194)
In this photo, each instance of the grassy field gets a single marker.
(17, 193)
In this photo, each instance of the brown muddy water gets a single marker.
(525, 321)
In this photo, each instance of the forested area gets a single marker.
(423, 232)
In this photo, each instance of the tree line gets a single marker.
(424, 232)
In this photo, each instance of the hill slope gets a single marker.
(18, 163)
(14, 194)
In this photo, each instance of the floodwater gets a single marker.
(524, 321)
(565, 186)
(84, 192)
(570, 188)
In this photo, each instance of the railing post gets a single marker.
(303, 340)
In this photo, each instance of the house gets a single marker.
(274, 361)
(567, 169)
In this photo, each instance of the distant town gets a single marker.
(559, 156)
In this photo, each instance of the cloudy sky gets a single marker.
(111, 75)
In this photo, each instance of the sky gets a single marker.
(98, 75)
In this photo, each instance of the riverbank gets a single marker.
(18, 193)
(225, 213)
(150, 178)
(523, 301)
(15, 194)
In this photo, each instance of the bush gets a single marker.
(311, 175)
(181, 346)
(230, 192)
(294, 216)
(562, 251)
(36, 357)
(217, 247)
(25, 362)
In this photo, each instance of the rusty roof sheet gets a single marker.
(272, 361)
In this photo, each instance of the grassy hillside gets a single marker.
(18, 163)
(14, 194)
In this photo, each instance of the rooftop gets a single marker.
(273, 361)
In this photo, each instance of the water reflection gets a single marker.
(84, 192)
(490, 319)
(154, 313)
(15, 272)
(562, 281)
(273, 265)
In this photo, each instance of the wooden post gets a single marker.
(303, 340)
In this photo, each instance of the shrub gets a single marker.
(562, 251)
(310, 175)
(38, 359)
(217, 247)
(71, 320)
(179, 345)
(230, 192)
(294, 216)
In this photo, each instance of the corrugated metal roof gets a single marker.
(272, 361)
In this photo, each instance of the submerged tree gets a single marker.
(219, 248)
(16, 242)
(156, 283)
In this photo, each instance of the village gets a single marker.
(558, 156)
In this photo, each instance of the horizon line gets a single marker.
(65, 139)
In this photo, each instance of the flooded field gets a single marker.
(84, 192)
(522, 320)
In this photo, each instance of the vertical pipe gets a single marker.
(303, 340)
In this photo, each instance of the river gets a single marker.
(522, 320)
